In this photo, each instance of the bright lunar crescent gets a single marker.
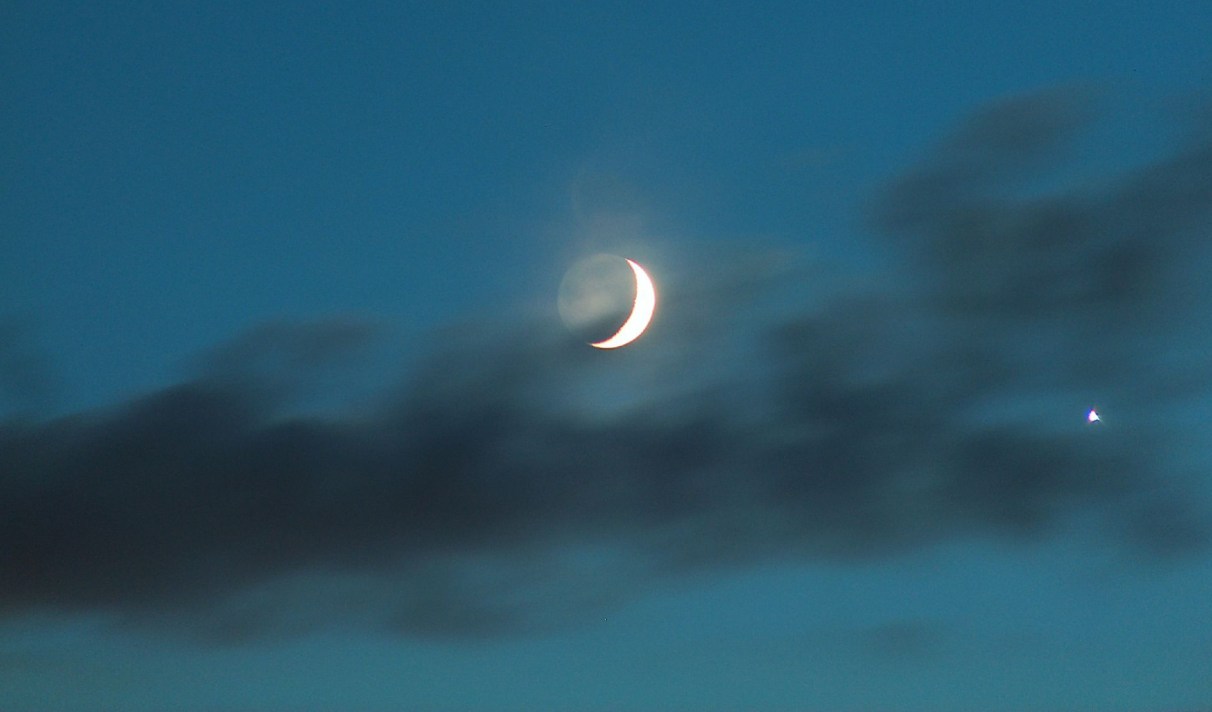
(641, 312)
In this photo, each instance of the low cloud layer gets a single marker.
(518, 477)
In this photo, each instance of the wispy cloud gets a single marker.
(871, 420)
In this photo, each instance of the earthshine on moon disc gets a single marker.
(607, 301)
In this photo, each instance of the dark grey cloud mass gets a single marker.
(519, 479)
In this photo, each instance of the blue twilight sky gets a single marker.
(289, 419)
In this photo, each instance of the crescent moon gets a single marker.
(641, 312)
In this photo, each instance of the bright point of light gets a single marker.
(1092, 416)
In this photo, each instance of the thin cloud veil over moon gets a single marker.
(607, 300)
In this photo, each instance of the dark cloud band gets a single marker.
(870, 422)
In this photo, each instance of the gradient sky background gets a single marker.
(290, 421)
